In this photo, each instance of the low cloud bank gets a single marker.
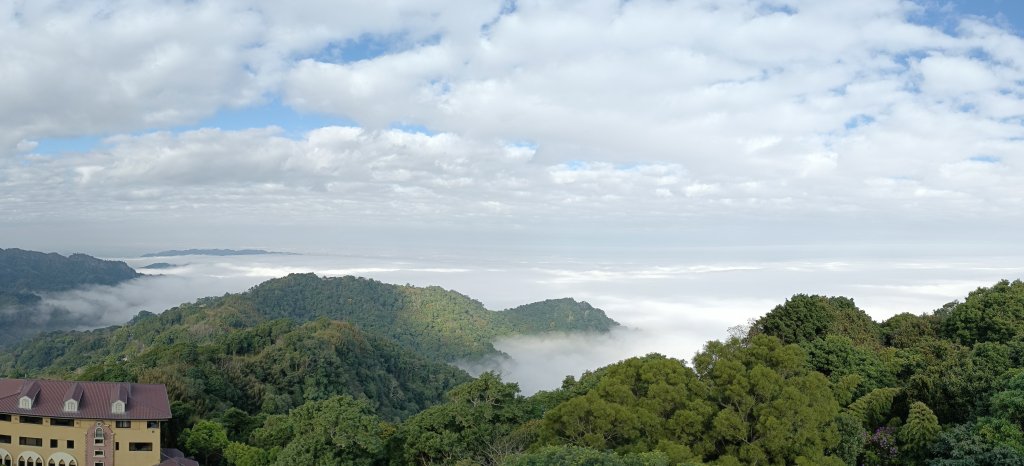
(673, 307)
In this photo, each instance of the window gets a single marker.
(53, 443)
(5, 417)
(123, 424)
(30, 420)
(5, 439)
(71, 444)
(117, 446)
(30, 441)
(153, 424)
(117, 407)
(57, 421)
(139, 446)
(71, 406)
(97, 453)
(25, 402)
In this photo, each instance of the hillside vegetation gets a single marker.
(29, 271)
(347, 371)
(296, 339)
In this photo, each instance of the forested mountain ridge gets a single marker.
(24, 271)
(24, 275)
(433, 322)
(814, 382)
(294, 340)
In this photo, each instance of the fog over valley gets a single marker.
(670, 306)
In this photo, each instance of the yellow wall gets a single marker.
(138, 432)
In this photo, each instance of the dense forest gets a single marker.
(345, 371)
(298, 339)
(24, 271)
(24, 275)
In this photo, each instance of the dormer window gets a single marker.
(71, 406)
(25, 402)
(117, 407)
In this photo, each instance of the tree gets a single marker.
(207, 440)
(338, 430)
(750, 401)
(874, 409)
(837, 356)
(639, 404)
(240, 454)
(988, 314)
(772, 408)
(804, 318)
(477, 416)
(1009, 402)
(918, 433)
(569, 455)
(907, 330)
(984, 442)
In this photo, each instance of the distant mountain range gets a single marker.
(215, 252)
(159, 266)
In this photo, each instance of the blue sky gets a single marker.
(271, 111)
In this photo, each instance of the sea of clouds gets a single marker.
(670, 306)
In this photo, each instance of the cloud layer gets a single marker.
(516, 119)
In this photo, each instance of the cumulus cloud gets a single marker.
(579, 122)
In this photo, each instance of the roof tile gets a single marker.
(143, 401)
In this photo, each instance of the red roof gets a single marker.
(143, 401)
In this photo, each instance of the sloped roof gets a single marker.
(174, 457)
(143, 401)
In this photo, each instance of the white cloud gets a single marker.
(587, 118)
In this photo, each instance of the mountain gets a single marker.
(435, 323)
(26, 274)
(29, 271)
(159, 266)
(215, 252)
(298, 339)
(439, 323)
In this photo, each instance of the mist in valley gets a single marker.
(672, 307)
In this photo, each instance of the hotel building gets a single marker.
(62, 423)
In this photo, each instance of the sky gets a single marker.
(684, 165)
(533, 127)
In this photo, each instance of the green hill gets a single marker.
(439, 323)
(296, 339)
(29, 271)
(26, 274)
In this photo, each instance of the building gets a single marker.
(62, 423)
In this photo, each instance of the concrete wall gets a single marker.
(115, 445)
